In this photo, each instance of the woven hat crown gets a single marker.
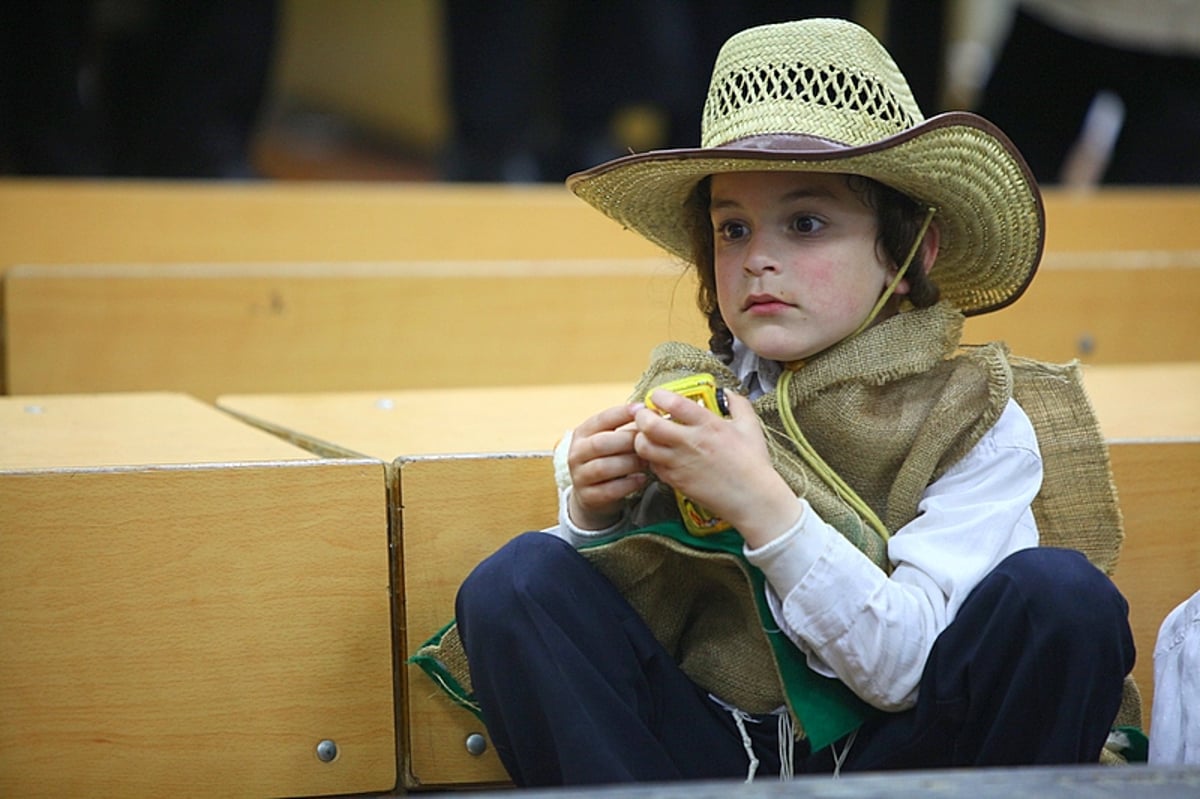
(828, 78)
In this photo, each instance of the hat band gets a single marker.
(784, 142)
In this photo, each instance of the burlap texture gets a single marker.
(701, 608)
(889, 410)
(1077, 506)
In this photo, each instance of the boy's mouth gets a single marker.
(764, 303)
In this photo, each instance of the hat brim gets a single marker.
(989, 209)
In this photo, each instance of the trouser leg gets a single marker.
(573, 686)
(1029, 672)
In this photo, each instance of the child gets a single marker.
(881, 600)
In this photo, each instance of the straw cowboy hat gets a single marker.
(822, 95)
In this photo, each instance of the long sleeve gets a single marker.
(874, 632)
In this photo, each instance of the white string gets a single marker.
(787, 747)
(740, 717)
(739, 720)
(839, 759)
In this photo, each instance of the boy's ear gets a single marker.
(929, 246)
(926, 255)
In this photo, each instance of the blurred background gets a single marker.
(532, 90)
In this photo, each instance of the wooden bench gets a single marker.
(1103, 307)
(62, 221)
(263, 328)
(208, 330)
(188, 606)
(1151, 417)
(471, 468)
(165, 222)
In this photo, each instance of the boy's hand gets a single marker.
(604, 468)
(723, 464)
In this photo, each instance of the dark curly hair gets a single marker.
(899, 216)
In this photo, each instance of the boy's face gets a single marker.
(797, 266)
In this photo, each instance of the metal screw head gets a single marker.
(327, 751)
(476, 744)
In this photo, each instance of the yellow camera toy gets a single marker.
(700, 388)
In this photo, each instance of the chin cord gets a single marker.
(818, 464)
(900, 273)
(810, 455)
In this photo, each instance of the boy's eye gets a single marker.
(731, 231)
(804, 223)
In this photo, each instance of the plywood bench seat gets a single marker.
(471, 468)
(212, 329)
(188, 606)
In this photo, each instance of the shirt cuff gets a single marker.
(577, 535)
(785, 560)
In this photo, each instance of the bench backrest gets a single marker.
(90, 221)
(256, 328)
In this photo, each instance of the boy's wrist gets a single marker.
(590, 522)
(771, 517)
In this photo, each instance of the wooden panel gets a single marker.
(1103, 308)
(258, 328)
(384, 424)
(188, 605)
(94, 221)
(451, 511)
(78, 431)
(124, 221)
(277, 328)
(1135, 218)
(457, 511)
(180, 631)
(1159, 488)
(1146, 400)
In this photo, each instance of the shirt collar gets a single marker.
(757, 375)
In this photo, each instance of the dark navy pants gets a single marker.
(575, 689)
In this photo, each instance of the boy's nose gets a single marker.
(760, 260)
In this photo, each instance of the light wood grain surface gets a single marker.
(72, 431)
(1146, 400)
(188, 606)
(209, 330)
(90, 221)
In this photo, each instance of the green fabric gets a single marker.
(438, 657)
(1138, 750)
(826, 709)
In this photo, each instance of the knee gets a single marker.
(1052, 580)
(529, 567)
(1062, 594)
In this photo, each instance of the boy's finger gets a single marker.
(679, 408)
(738, 405)
(607, 419)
